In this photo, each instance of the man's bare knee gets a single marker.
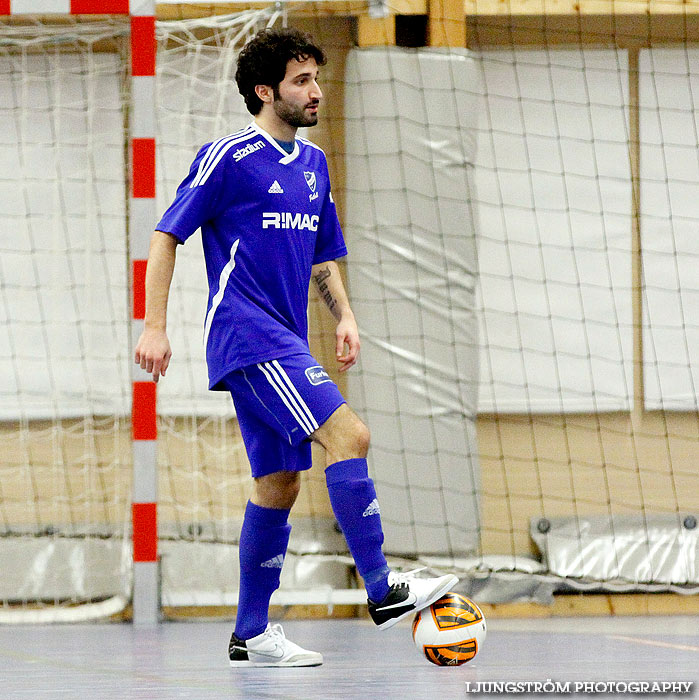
(277, 490)
(363, 438)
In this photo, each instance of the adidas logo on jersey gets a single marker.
(274, 563)
(276, 188)
(372, 509)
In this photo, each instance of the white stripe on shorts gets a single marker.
(301, 402)
(284, 395)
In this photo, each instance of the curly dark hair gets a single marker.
(264, 58)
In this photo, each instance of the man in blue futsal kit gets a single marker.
(262, 199)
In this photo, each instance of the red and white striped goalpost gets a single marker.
(146, 599)
(146, 585)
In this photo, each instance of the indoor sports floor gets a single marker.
(188, 659)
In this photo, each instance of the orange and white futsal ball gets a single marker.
(451, 631)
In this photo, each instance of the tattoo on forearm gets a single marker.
(323, 288)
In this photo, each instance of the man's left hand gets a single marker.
(347, 341)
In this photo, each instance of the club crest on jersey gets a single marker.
(285, 219)
(311, 182)
(247, 150)
(317, 375)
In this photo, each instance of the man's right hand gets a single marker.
(153, 352)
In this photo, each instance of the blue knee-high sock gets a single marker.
(354, 502)
(263, 541)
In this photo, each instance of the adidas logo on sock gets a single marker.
(372, 509)
(276, 188)
(274, 563)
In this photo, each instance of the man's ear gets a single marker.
(265, 93)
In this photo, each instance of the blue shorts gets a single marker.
(279, 404)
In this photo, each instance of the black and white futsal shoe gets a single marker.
(408, 595)
(271, 648)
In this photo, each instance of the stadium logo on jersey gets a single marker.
(311, 182)
(285, 219)
(317, 375)
(247, 150)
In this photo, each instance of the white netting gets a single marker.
(64, 375)
(532, 143)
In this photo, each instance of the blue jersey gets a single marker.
(266, 217)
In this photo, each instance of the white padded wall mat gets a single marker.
(410, 141)
(63, 272)
(554, 202)
(669, 99)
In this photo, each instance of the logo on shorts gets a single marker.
(317, 375)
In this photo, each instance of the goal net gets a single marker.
(529, 359)
(64, 374)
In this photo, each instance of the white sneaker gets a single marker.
(407, 595)
(271, 648)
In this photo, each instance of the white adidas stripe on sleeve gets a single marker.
(205, 166)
